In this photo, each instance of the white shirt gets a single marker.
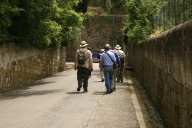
(120, 53)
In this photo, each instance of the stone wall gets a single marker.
(98, 31)
(164, 65)
(22, 66)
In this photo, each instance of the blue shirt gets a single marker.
(116, 56)
(105, 59)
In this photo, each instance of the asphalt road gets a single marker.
(54, 103)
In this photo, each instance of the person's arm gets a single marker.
(115, 57)
(101, 63)
(124, 58)
(91, 61)
(91, 64)
(75, 62)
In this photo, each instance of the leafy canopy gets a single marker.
(39, 23)
(139, 23)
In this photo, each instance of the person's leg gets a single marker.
(102, 75)
(79, 78)
(80, 81)
(121, 73)
(117, 72)
(111, 76)
(107, 84)
(85, 84)
(114, 79)
(86, 73)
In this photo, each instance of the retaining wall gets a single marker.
(22, 66)
(164, 65)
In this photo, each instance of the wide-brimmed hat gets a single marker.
(117, 47)
(83, 44)
(102, 50)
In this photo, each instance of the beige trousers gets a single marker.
(102, 74)
(114, 78)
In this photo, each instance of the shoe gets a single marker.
(113, 89)
(78, 89)
(102, 80)
(85, 90)
(108, 92)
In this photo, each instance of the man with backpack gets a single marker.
(83, 64)
(122, 56)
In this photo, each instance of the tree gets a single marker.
(81, 6)
(8, 9)
(39, 23)
(139, 19)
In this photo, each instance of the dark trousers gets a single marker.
(82, 77)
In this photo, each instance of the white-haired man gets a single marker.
(107, 61)
(83, 63)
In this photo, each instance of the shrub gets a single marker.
(39, 23)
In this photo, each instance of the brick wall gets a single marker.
(164, 65)
(22, 66)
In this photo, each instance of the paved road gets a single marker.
(54, 103)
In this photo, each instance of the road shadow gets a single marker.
(38, 83)
(57, 75)
(98, 81)
(75, 92)
(99, 93)
(122, 84)
(26, 93)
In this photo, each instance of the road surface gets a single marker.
(54, 103)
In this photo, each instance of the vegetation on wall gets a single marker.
(110, 6)
(81, 6)
(39, 23)
(139, 22)
(44, 24)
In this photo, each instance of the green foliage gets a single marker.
(108, 19)
(139, 19)
(39, 23)
(105, 4)
(71, 23)
(118, 5)
(110, 6)
(7, 11)
(82, 6)
(48, 34)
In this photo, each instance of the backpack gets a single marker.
(121, 59)
(81, 58)
(117, 58)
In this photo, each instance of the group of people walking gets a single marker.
(111, 66)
